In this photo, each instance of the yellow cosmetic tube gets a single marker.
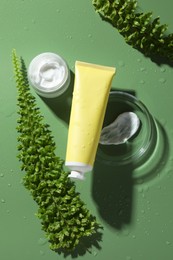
(90, 96)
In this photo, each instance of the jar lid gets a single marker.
(49, 75)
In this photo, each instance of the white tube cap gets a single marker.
(76, 175)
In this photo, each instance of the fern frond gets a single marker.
(140, 30)
(64, 216)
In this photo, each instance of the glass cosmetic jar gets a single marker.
(49, 75)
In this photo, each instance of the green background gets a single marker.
(72, 29)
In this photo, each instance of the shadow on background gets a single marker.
(61, 106)
(113, 182)
(112, 185)
(85, 245)
(112, 190)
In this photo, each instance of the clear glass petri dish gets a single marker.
(138, 149)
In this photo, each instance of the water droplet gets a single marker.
(88, 133)
(2, 201)
(9, 184)
(42, 252)
(128, 258)
(25, 28)
(163, 121)
(21, 181)
(162, 69)
(146, 232)
(142, 69)
(139, 60)
(33, 21)
(126, 232)
(95, 253)
(134, 236)
(42, 241)
(141, 190)
(89, 35)
(140, 181)
(148, 207)
(163, 162)
(169, 173)
(121, 63)
(143, 211)
(142, 81)
(143, 195)
(120, 213)
(1, 175)
(168, 243)
(158, 174)
(162, 80)
(146, 188)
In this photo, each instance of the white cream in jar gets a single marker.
(49, 75)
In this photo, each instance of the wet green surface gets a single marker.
(136, 212)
